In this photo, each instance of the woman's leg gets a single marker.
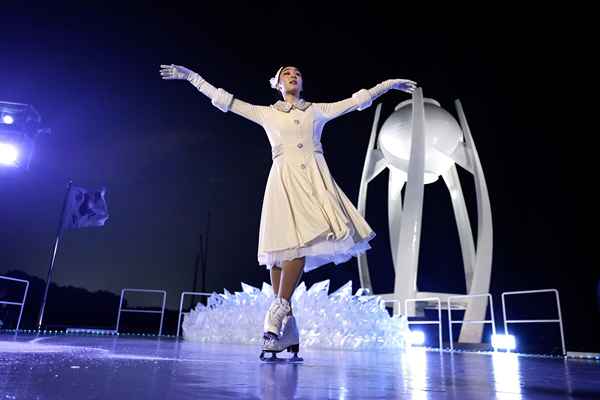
(275, 278)
(291, 272)
(286, 279)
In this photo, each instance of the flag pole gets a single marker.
(197, 263)
(58, 236)
(205, 254)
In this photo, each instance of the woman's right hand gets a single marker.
(173, 71)
(405, 85)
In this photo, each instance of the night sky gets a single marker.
(168, 158)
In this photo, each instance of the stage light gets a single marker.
(20, 126)
(504, 342)
(9, 154)
(417, 338)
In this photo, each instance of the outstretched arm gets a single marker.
(364, 97)
(220, 98)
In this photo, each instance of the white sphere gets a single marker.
(442, 136)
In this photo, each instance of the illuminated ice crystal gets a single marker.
(339, 320)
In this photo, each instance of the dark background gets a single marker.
(168, 158)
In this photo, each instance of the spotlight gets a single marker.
(504, 342)
(417, 338)
(19, 130)
(8, 154)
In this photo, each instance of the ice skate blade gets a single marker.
(295, 359)
(274, 359)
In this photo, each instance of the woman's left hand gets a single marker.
(172, 71)
(406, 85)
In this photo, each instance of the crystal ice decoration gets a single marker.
(339, 320)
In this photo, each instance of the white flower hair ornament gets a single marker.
(275, 80)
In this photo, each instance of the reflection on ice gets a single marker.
(40, 347)
(507, 376)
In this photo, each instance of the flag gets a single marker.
(85, 208)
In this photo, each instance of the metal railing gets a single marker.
(162, 312)
(183, 294)
(438, 322)
(486, 321)
(22, 303)
(532, 321)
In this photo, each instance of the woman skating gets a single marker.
(307, 221)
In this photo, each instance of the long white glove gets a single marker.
(365, 97)
(404, 85)
(219, 97)
(172, 71)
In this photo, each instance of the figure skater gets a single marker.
(307, 220)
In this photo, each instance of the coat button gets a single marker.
(300, 145)
(296, 122)
(302, 166)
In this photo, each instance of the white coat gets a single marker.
(304, 211)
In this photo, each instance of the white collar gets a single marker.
(284, 106)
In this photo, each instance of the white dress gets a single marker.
(304, 212)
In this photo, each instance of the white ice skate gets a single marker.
(279, 308)
(288, 339)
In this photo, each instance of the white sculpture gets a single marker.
(418, 143)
